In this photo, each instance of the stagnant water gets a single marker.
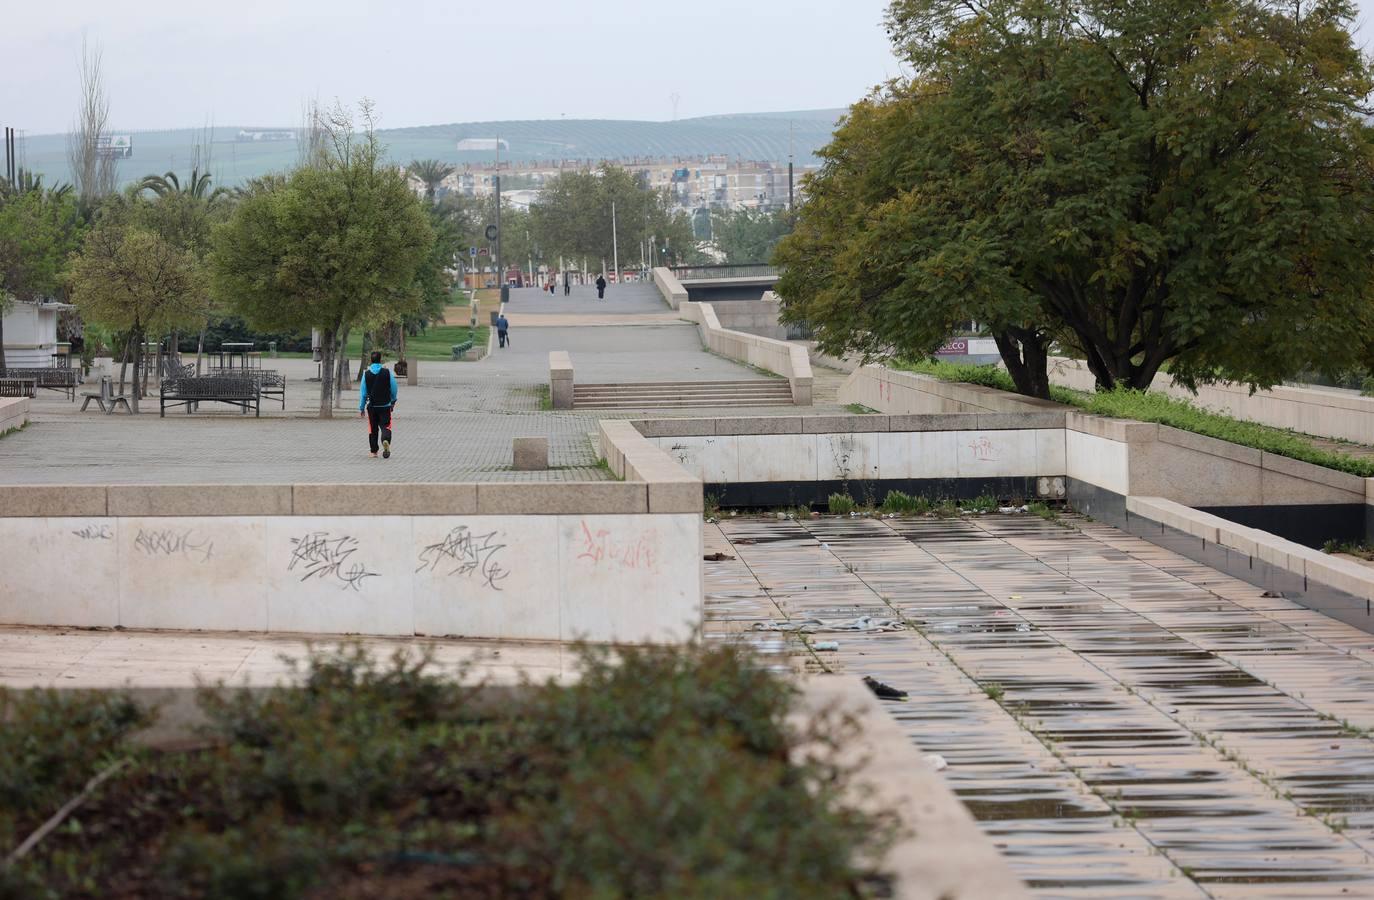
(1121, 720)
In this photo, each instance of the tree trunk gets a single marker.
(362, 359)
(3, 364)
(327, 347)
(137, 339)
(341, 376)
(124, 362)
(1025, 352)
(200, 344)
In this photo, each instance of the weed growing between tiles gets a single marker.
(661, 772)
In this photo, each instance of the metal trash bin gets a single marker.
(505, 293)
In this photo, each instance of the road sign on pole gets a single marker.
(472, 251)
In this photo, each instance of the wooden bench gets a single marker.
(242, 391)
(18, 387)
(271, 383)
(106, 395)
(64, 381)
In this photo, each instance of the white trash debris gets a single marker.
(935, 761)
(826, 646)
(811, 626)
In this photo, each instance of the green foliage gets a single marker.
(39, 229)
(1043, 510)
(859, 409)
(659, 772)
(988, 375)
(573, 219)
(903, 503)
(1155, 182)
(841, 504)
(749, 235)
(431, 172)
(984, 503)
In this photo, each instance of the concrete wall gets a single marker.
(831, 448)
(674, 294)
(897, 392)
(549, 561)
(1325, 412)
(780, 357)
(14, 413)
(753, 317)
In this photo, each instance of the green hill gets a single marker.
(757, 136)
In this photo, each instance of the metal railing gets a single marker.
(740, 270)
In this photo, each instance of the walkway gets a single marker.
(1123, 721)
(456, 425)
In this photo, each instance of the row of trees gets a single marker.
(1163, 182)
(342, 242)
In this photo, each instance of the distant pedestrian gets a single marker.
(601, 287)
(503, 330)
(567, 284)
(376, 401)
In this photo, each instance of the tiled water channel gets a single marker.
(1123, 721)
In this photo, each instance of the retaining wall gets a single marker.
(779, 357)
(1324, 412)
(555, 560)
(14, 413)
(897, 392)
(674, 294)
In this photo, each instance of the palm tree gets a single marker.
(432, 172)
(198, 187)
(25, 181)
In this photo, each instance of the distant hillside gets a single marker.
(761, 136)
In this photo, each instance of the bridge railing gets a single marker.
(739, 270)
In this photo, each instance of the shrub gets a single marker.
(984, 503)
(841, 504)
(904, 504)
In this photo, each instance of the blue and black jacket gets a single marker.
(379, 388)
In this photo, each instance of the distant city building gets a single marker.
(119, 146)
(709, 182)
(265, 136)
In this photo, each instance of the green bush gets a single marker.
(903, 503)
(841, 504)
(984, 503)
(660, 772)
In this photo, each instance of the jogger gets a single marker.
(377, 399)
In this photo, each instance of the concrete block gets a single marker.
(843, 424)
(200, 499)
(52, 500)
(801, 391)
(560, 379)
(1342, 481)
(1209, 445)
(195, 572)
(487, 576)
(1123, 430)
(675, 427)
(562, 498)
(778, 457)
(715, 460)
(1279, 489)
(530, 454)
(760, 425)
(840, 457)
(59, 571)
(1343, 575)
(933, 422)
(400, 499)
(339, 574)
(1009, 421)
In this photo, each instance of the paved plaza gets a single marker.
(456, 425)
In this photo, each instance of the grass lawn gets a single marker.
(437, 340)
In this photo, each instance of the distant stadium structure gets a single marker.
(266, 136)
(482, 145)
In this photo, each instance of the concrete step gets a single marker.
(647, 384)
(680, 404)
(682, 394)
(670, 395)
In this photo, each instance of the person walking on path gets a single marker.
(376, 401)
(601, 287)
(567, 284)
(503, 329)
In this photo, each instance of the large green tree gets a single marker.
(1148, 182)
(129, 277)
(749, 235)
(337, 243)
(573, 220)
(39, 229)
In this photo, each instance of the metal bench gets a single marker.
(64, 381)
(18, 387)
(106, 395)
(271, 383)
(242, 391)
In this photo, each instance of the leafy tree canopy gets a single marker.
(749, 235)
(1160, 181)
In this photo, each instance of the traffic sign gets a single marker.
(491, 232)
(484, 252)
(472, 251)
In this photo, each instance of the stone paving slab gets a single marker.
(1123, 721)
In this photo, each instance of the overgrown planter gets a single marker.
(663, 772)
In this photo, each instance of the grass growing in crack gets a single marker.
(841, 504)
(902, 503)
(994, 691)
(859, 409)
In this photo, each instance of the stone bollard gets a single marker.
(412, 372)
(560, 379)
(531, 454)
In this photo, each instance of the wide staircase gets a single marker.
(683, 394)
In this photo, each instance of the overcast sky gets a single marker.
(169, 63)
(254, 62)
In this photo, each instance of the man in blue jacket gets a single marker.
(377, 399)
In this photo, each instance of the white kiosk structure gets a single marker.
(31, 333)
